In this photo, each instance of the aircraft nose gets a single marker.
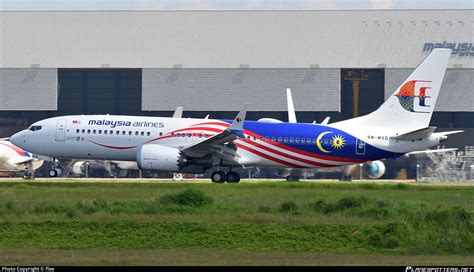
(18, 139)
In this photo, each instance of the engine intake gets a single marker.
(375, 169)
(160, 158)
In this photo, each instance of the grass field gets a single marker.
(265, 223)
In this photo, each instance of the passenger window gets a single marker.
(88, 131)
(200, 135)
(267, 138)
(77, 130)
(136, 133)
(280, 139)
(93, 132)
(105, 131)
(303, 140)
(308, 140)
(142, 133)
(189, 135)
(130, 133)
(148, 133)
(285, 139)
(161, 134)
(100, 131)
(248, 137)
(314, 140)
(117, 132)
(124, 132)
(111, 132)
(273, 138)
(297, 140)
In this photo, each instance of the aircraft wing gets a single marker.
(217, 144)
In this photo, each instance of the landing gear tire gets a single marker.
(232, 177)
(218, 177)
(54, 172)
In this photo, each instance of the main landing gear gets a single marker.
(221, 177)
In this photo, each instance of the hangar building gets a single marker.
(338, 63)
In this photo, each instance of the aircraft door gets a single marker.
(61, 130)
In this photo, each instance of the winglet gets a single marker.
(291, 107)
(178, 112)
(325, 121)
(238, 124)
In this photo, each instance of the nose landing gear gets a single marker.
(55, 170)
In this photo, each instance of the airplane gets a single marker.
(14, 159)
(190, 145)
(373, 169)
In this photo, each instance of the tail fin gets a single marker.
(412, 104)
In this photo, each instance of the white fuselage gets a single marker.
(109, 137)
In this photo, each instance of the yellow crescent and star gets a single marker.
(337, 141)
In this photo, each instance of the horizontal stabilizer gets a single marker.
(416, 134)
(431, 151)
(444, 133)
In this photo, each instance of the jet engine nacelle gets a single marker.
(374, 169)
(160, 158)
(78, 167)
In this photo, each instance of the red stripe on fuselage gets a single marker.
(263, 155)
(287, 155)
(113, 147)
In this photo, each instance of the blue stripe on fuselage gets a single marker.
(312, 131)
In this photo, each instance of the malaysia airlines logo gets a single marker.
(406, 95)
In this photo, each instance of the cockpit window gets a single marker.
(35, 128)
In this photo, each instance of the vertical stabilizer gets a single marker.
(411, 106)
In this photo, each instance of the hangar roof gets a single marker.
(232, 39)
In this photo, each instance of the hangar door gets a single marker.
(362, 91)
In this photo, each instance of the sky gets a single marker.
(232, 4)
